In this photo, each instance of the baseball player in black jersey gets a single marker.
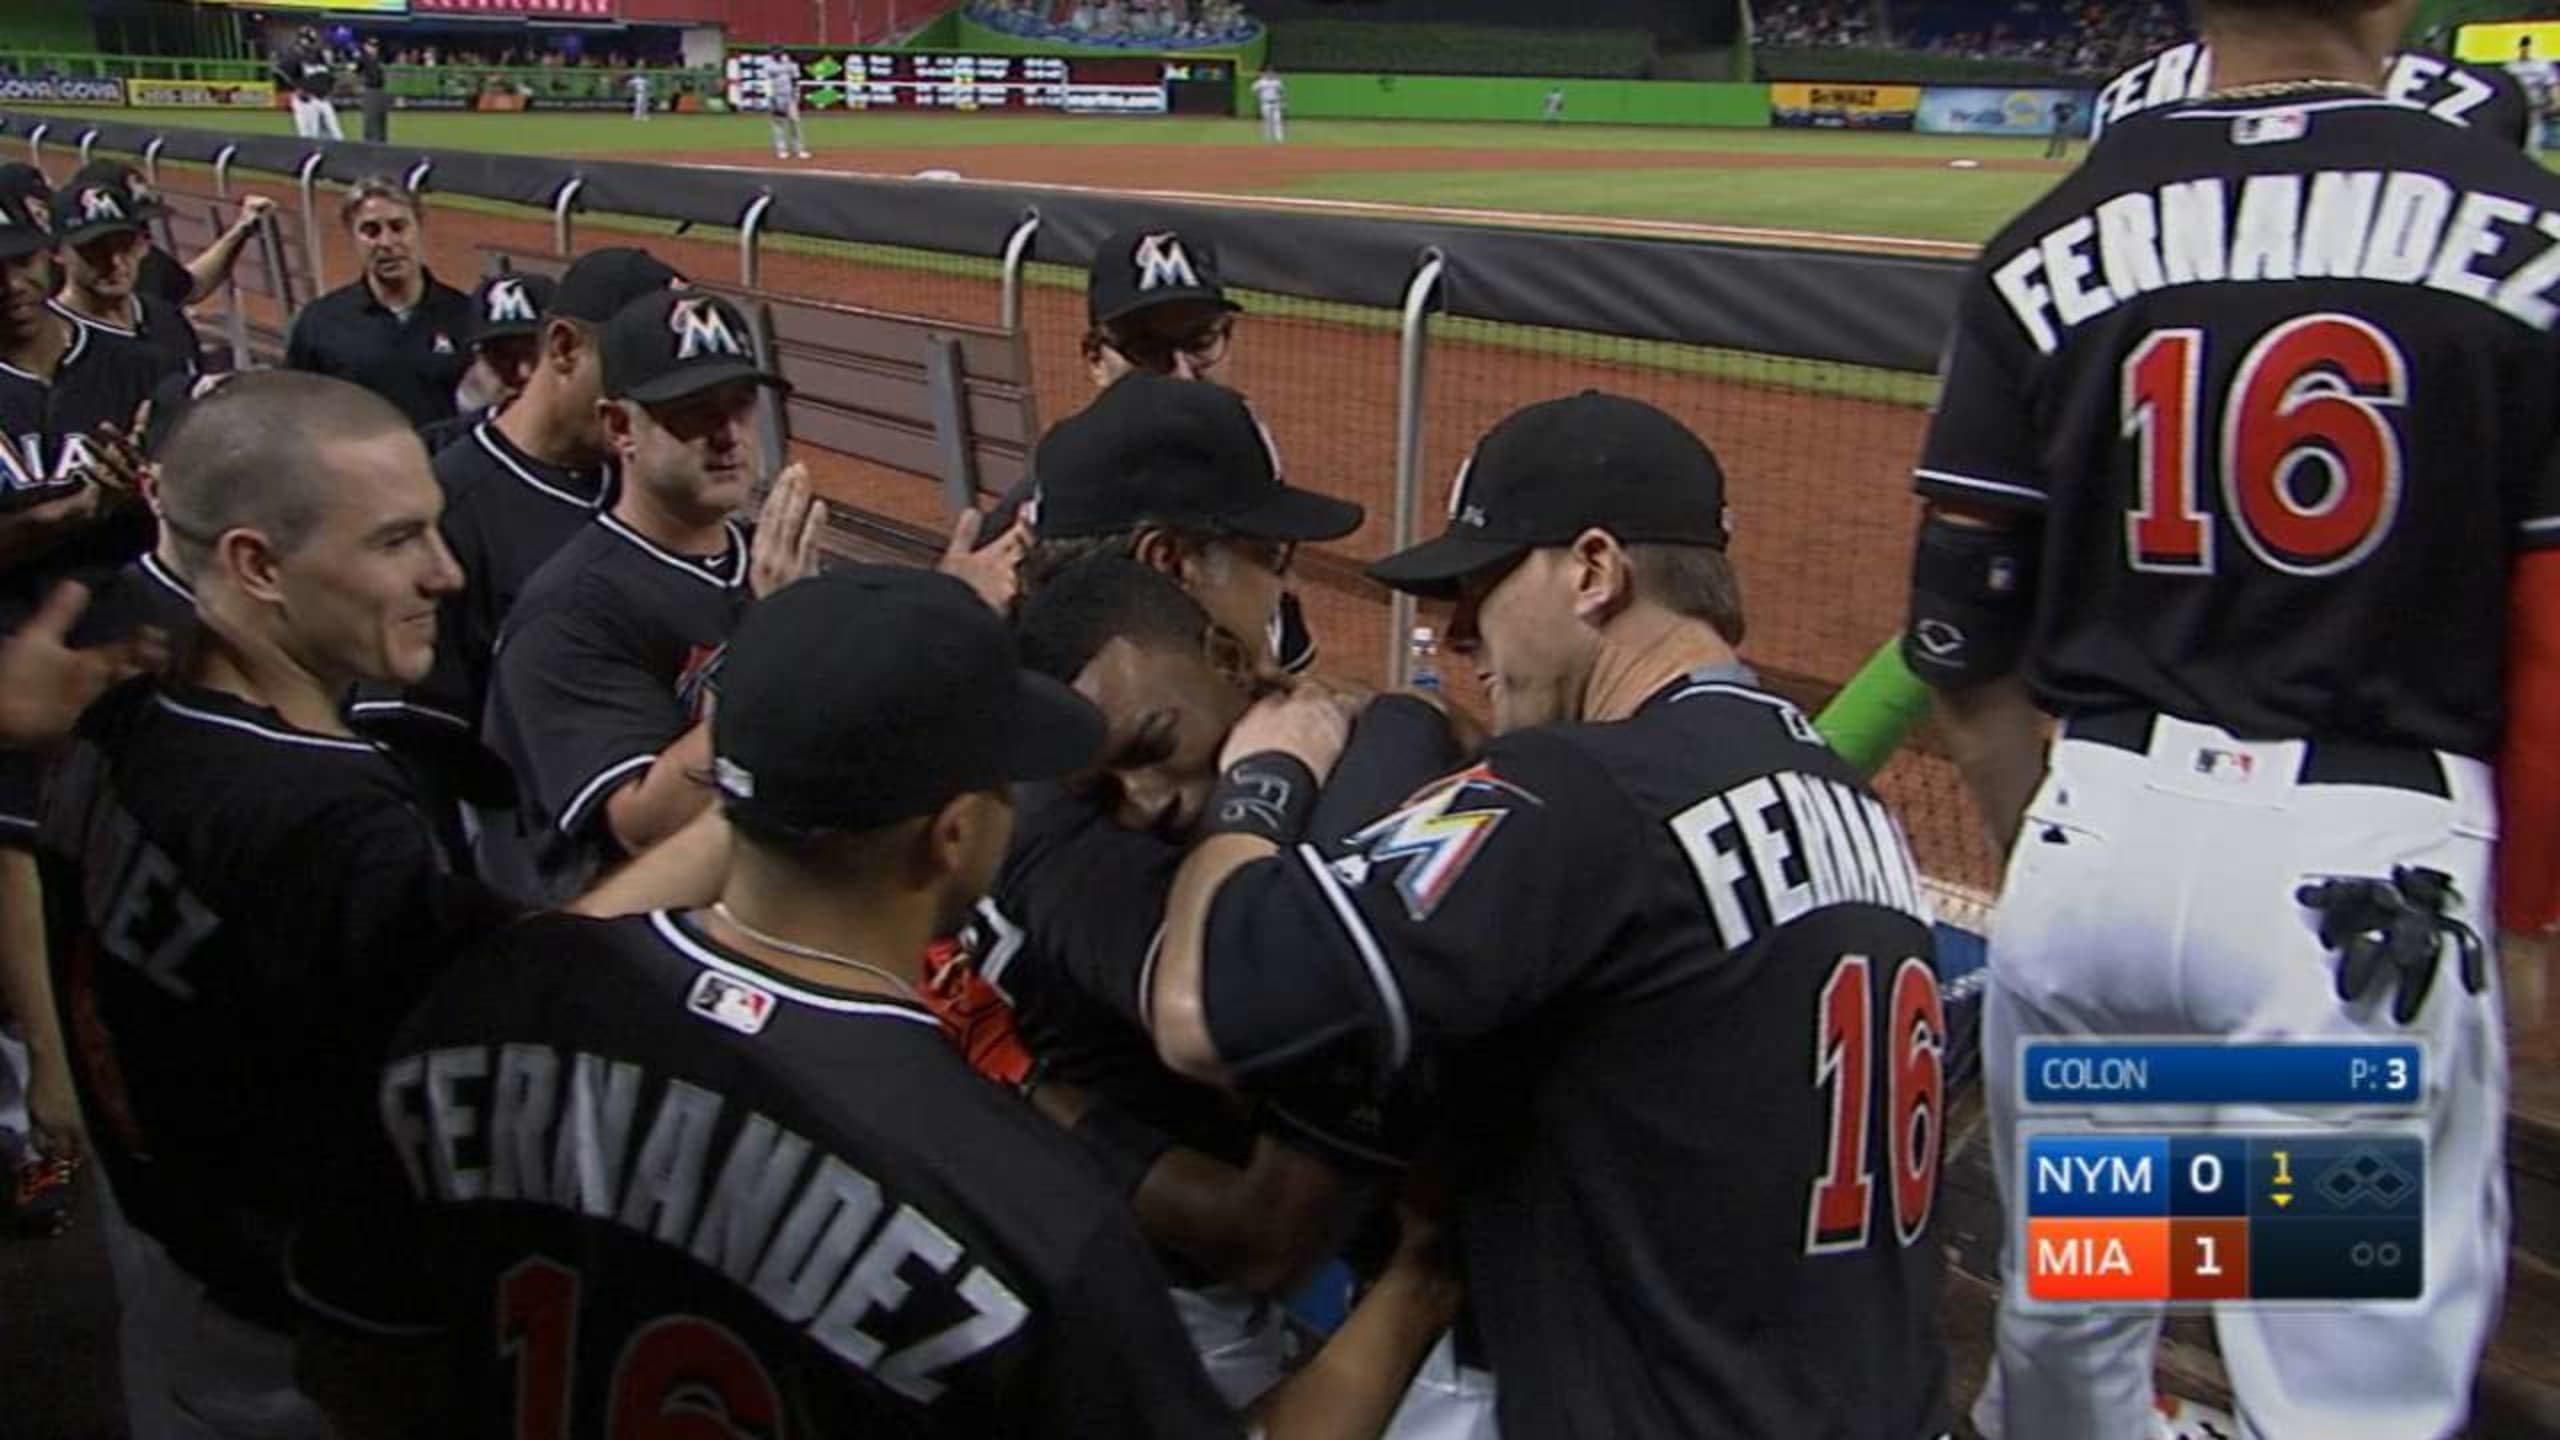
(598, 693)
(102, 225)
(1670, 948)
(805, 1213)
(518, 485)
(245, 896)
(506, 323)
(2481, 97)
(1156, 303)
(2245, 443)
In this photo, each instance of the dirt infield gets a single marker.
(1818, 481)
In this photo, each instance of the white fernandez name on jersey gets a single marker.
(2185, 72)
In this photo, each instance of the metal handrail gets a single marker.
(1412, 349)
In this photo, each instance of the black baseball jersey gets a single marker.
(2276, 384)
(505, 515)
(599, 668)
(660, 1174)
(444, 433)
(1063, 935)
(144, 591)
(164, 278)
(2481, 97)
(413, 361)
(1680, 974)
(160, 330)
(239, 911)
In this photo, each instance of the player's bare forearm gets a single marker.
(1176, 1013)
(1264, 1228)
(679, 873)
(26, 985)
(1998, 739)
(666, 797)
(1352, 1387)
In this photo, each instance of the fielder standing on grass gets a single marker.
(2277, 555)
(2540, 83)
(1271, 93)
(639, 96)
(782, 96)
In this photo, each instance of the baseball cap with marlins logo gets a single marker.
(873, 694)
(1592, 461)
(1141, 268)
(506, 306)
(661, 348)
(599, 283)
(1154, 449)
(103, 199)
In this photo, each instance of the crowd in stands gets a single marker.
(1136, 23)
(2078, 36)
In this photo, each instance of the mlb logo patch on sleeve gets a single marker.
(742, 1007)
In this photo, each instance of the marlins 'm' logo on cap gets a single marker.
(509, 305)
(100, 203)
(702, 329)
(1162, 263)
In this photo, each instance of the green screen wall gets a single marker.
(46, 25)
(1511, 97)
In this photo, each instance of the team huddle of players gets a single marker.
(542, 958)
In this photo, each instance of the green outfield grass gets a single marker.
(1892, 199)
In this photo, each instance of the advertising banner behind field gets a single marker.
(65, 91)
(1966, 110)
(200, 94)
(1843, 107)
(2499, 44)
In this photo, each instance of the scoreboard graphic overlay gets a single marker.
(2130, 1202)
(932, 80)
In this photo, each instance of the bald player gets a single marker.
(245, 895)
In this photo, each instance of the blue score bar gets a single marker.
(2084, 1075)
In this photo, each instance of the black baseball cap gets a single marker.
(26, 210)
(599, 283)
(509, 305)
(103, 199)
(1150, 265)
(666, 346)
(1558, 468)
(871, 694)
(1177, 452)
(171, 399)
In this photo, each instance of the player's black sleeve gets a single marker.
(1121, 1365)
(1981, 448)
(163, 276)
(2537, 506)
(1096, 906)
(1490, 891)
(585, 714)
(457, 684)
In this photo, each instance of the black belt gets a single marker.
(2324, 762)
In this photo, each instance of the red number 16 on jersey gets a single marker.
(2316, 393)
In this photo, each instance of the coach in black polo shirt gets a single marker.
(398, 332)
(519, 485)
(603, 666)
(101, 223)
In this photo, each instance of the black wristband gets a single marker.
(1125, 1146)
(1269, 794)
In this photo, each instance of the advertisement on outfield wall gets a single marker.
(1968, 110)
(200, 94)
(61, 91)
(1828, 106)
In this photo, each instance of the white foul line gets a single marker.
(1630, 226)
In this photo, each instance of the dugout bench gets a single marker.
(936, 400)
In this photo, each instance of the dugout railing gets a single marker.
(1377, 348)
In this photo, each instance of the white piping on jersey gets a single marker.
(79, 342)
(1399, 1025)
(569, 813)
(659, 553)
(498, 452)
(1147, 978)
(121, 332)
(2311, 107)
(663, 921)
(1383, 1159)
(18, 822)
(159, 573)
(2542, 526)
(251, 727)
(293, 1286)
(1976, 482)
(409, 707)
